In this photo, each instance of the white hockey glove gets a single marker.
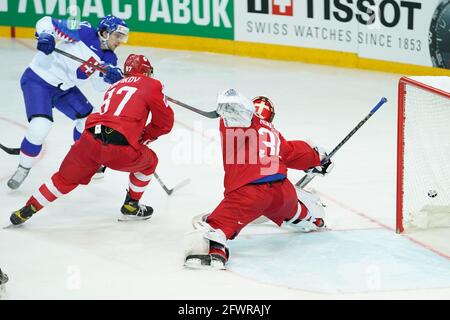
(235, 109)
(325, 167)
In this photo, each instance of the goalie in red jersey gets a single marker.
(116, 137)
(255, 159)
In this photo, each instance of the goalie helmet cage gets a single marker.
(423, 152)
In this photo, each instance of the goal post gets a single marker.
(423, 153)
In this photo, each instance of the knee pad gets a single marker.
(38, 129)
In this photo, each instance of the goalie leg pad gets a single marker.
(314, 218)
(312, 202)
(198, 219)
(205, 248)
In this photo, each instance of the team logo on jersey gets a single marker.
(275, 7)
(87, 69)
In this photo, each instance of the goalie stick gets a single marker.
(308, 176)
(207, 114)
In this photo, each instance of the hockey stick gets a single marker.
(167, 190)
(308, 176)
(71, 56)
(12, 151)
(210, 114)
(207, 114)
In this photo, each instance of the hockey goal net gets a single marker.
(423, 153)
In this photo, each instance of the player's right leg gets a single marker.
(235, 211)
(38, 103)
(141, 165)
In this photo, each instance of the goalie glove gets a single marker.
(235, 109)
(325, 166)
(323, 169)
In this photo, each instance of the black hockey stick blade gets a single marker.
(13, 151)
(207, 114)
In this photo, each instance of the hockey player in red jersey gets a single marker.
(116, 137)
(255, 158)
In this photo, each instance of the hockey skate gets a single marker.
(133, 210)
(22, 215)
(18, 177)
(3, 280)
(215, 260)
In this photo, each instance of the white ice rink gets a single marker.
(76, 249)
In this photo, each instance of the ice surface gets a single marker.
(75, 248)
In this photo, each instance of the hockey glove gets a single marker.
(323, 169)
(113, 74)
(46, 43)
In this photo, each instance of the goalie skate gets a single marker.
(205, 262)
(18, 177)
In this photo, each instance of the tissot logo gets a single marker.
(277, 7)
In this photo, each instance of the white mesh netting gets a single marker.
(426, 171)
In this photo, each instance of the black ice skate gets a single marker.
(3, 281)
(22, 215)
(3, 277)
(133, 210)
(18, 177)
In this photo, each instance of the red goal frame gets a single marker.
(402, 85)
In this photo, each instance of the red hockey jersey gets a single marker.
(259, 151)
(127, 105)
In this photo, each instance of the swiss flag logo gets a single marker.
(279, 7)
(283, 7)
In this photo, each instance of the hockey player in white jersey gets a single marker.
(51, 80)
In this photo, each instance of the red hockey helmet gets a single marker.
(264, 108)
(137, 64)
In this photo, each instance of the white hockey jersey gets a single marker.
(84, 43)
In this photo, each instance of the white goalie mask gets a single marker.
(235, 109)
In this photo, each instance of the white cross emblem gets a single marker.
(88, 69)
(260, 107)
(282, 4)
